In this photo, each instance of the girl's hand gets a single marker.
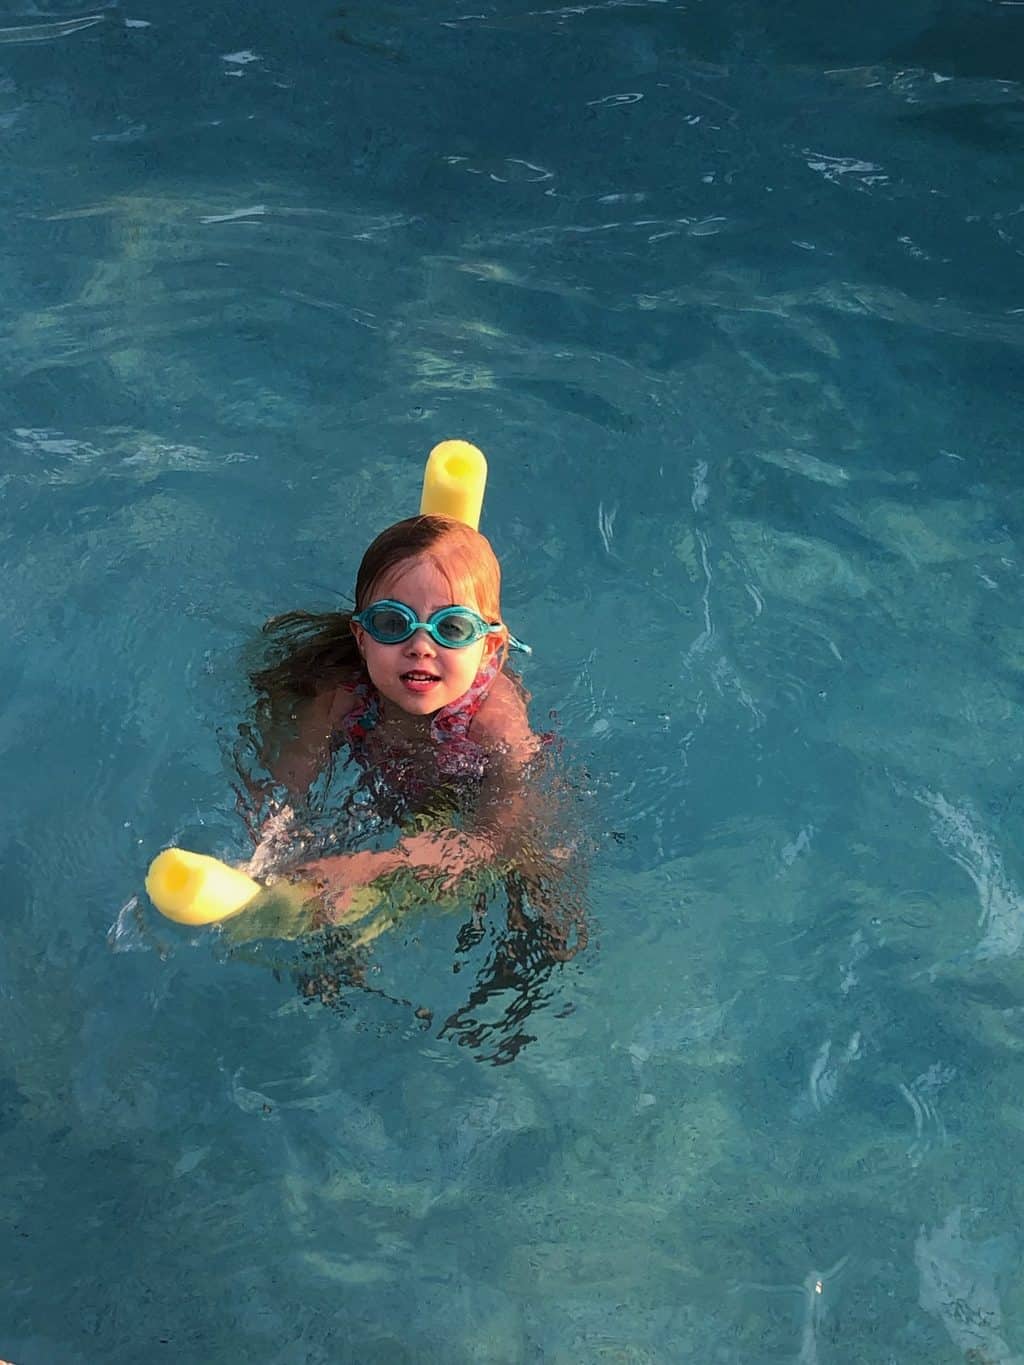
(277, 834)
(343, 876)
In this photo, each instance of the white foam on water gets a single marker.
(1002, 908)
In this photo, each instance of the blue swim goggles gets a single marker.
(390, 622)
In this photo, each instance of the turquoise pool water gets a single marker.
(732, 297)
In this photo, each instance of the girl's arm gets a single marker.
(439, 857)
(507, 824)
(531, 818)
(294, 757)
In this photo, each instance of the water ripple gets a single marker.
(44, 33)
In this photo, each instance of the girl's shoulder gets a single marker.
(322, 714)
(340, 701)
(502, 722)
(298, 745)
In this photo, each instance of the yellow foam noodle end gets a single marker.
(454, 482)
(193, 888)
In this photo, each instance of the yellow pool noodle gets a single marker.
(454, 482)
(193, 888)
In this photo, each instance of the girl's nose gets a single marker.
(419, 642)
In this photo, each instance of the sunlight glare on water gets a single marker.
(732, 298)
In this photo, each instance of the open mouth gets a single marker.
(416, 680)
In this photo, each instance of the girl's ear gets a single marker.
(494, 643)
(359, 635)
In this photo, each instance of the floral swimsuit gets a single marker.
(457, 755)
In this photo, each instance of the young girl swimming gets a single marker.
(412, 686)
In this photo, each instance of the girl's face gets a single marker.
(418, 675)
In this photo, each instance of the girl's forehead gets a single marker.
(420, 578)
